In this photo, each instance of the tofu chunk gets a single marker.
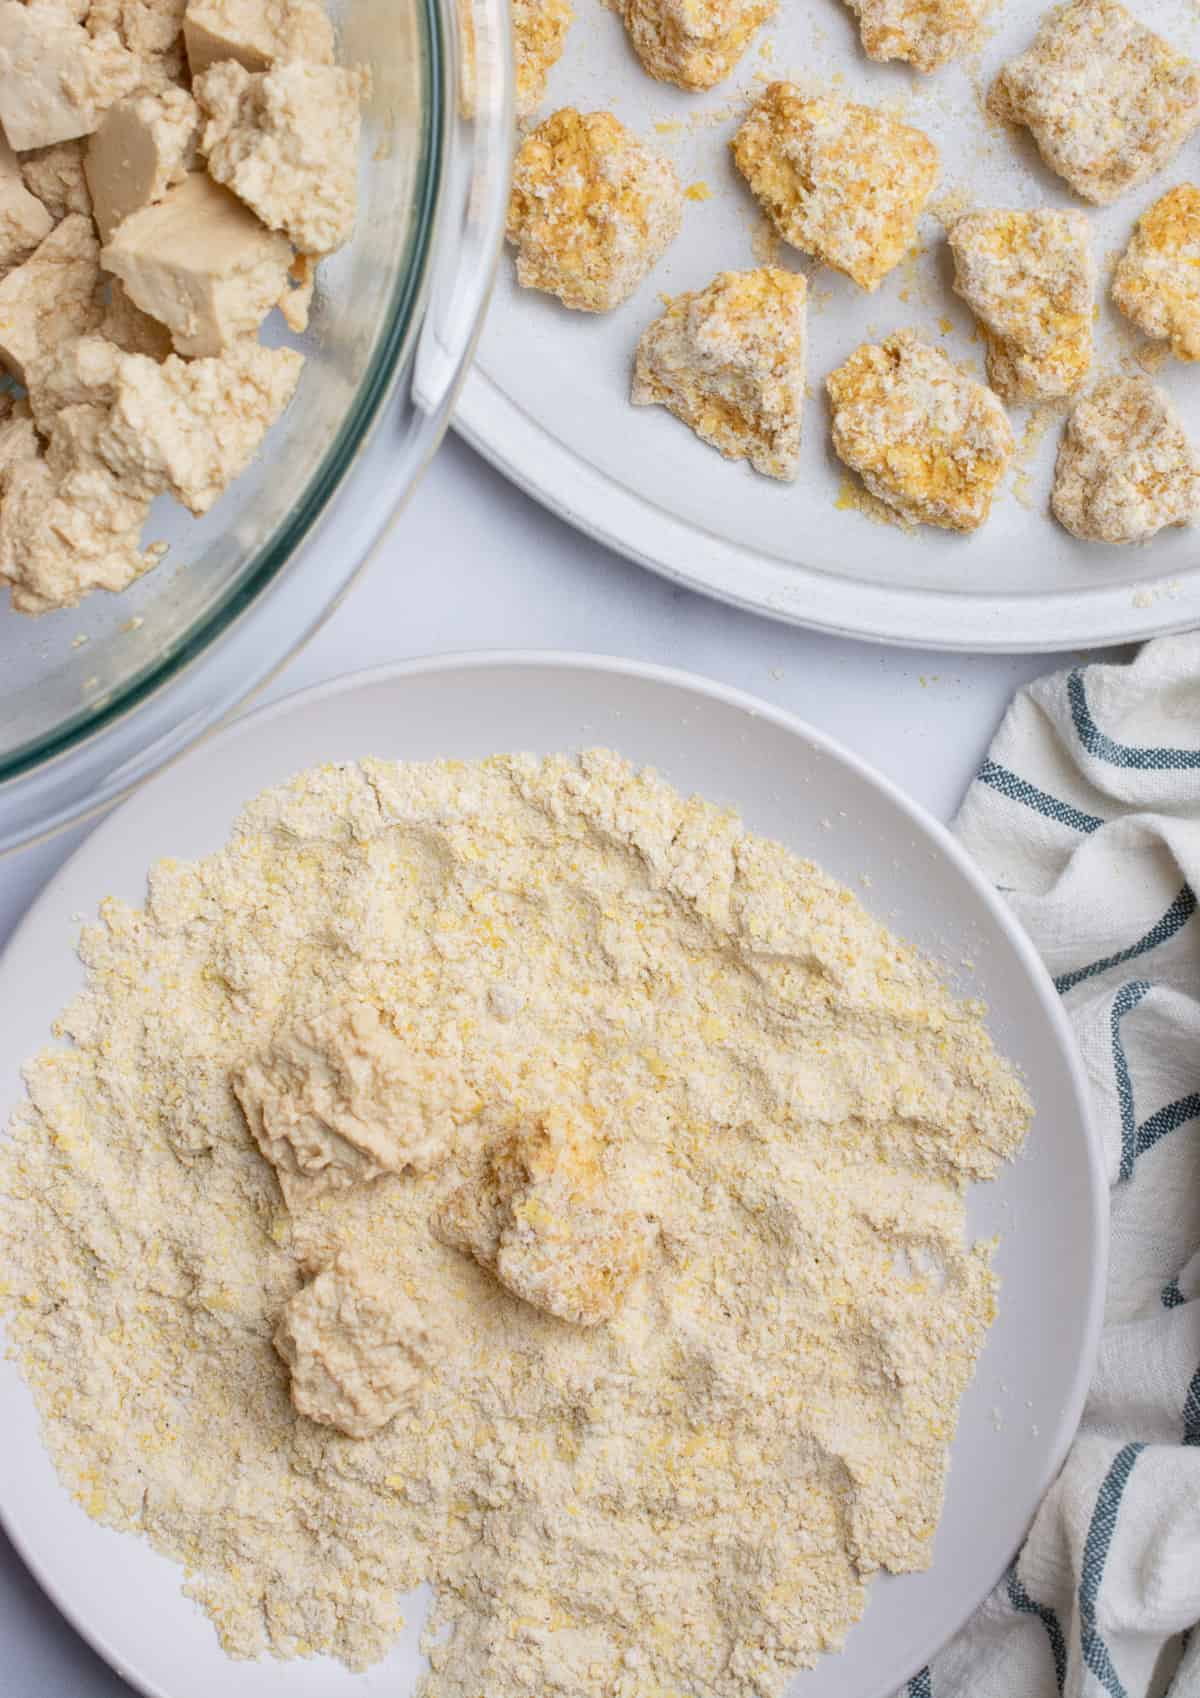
(539, 36)
(24, 221)
(1157, 284)
(152, 29)
(546, 1217)
(1030, 279)
(56, 80)
(340, 1100)
(356, 1349)
(842, 182)
(925, 33)
(256, 33)
(202, 264)
(592, 210)
(286, 142)
(51, 298)
(1107, 101)
(730, 362)
(55, 175)
(692, 43)
(143, 147)
(925, 438)
(1125, 469)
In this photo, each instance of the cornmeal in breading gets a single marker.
(927, 33)
(925, 437)
(730, 362)
(1125, 469)
(1107, 100)
(1158, 280)
(692, 43)
(539, 36)
(843, 182)
(592, 209)
(1030, 279)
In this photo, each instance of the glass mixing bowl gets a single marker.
(94, 698)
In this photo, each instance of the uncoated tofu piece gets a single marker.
(1108, 101)
(1157, 284)
(1030, 278)
(144, 146)
(730, 362)
(56, 80)
(286, 143)
(52, 297)
(843, 182)
(692, 43)
(925, 33)
(153, 29)
(202, 264)
(257, 33)
(55, 175)
(24, 221)
(1125, 468)
(356, 1349)
(925, 438)
(546, 1217)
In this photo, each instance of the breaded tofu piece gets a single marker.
(692, 43)
(592, 209)
(539, 36)
(730, 362)
(1125, 468)
(546, 1215)
(1030, 279)
(1108, 101)
(1157, 284)
(842, 182)
(926, 33)
(925, 437)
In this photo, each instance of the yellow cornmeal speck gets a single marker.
(853, 498)
(697, 191)
(792, 1101)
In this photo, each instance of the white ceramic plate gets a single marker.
(547, 398)
(790, 782)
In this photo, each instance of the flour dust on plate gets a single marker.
(491, 1173)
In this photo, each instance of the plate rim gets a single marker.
(602, 508)
(45, 906)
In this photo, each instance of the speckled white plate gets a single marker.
(1049, 1207)
(547, 398)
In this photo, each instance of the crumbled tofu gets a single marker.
(842, 182)
(56, 80)
(56, 176)
(153, 29)
(286, 143)
(539, 36)
(1108, 102)
(79, 371)
(692, 43)
(926, 33)
(24, 221)
(144, 146)
(1157, 284)
(1125, 468)
(340, 1100)
(52, 297)
(197, 424)
(926, 439)
(356, 1349)
(592, 210)
(257, 33)
(730, 362)
(67, 525)
(1030, 278)
(546, 1216)
(202, 264)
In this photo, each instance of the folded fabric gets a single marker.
(1086, 815)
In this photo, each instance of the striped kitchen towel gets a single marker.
(1086, 815)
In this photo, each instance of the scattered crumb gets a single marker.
(698, 191)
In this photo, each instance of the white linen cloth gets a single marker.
(1086, 815)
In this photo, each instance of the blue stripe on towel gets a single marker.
(1174, 920)
(1125, 1001)
(1121, 754)
(1019, 789)
(1019, 1598)
(1095, 1554)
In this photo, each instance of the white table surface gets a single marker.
(473, 564)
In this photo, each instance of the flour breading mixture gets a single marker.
(654, 1326)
